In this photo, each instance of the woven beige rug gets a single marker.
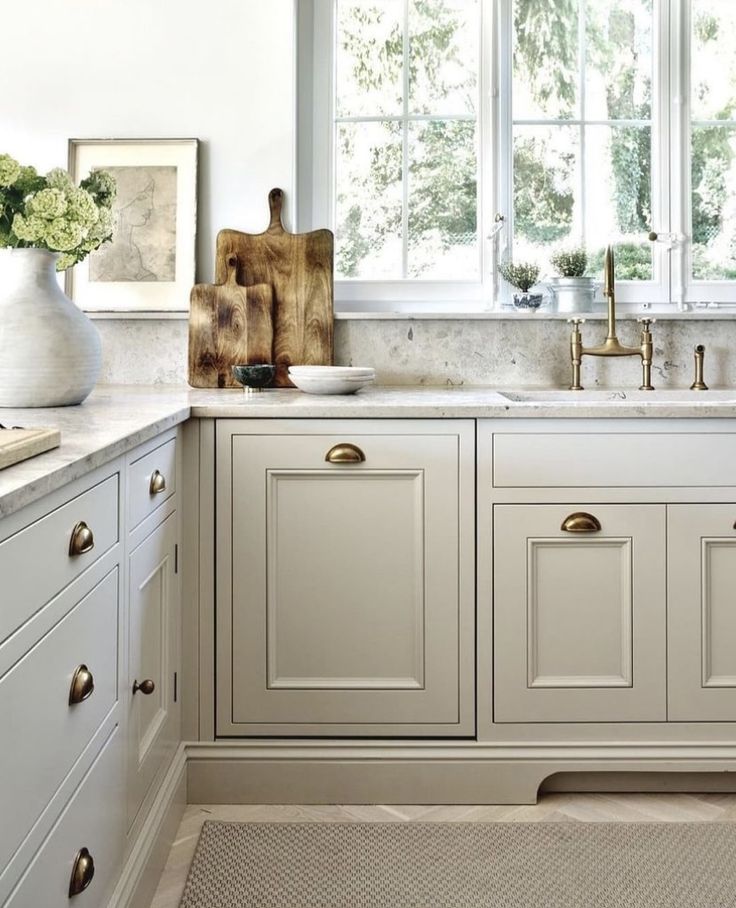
(463, 865)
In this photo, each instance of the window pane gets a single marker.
(618, 77)
(369, 58)
(545, 177)
(444, 45)
(618, 199)
(713, 59)
(368, 197)
(714, 203)
(443, 230)
(545, 59)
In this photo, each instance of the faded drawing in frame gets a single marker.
(150, 263)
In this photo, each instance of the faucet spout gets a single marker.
(609, 290)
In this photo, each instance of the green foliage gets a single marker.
(523, 275)
(570, 262)
(50, 212)
(633, 262)
(546, 50)
(543, 199)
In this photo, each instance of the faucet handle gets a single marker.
(576, 321)
(646, 322)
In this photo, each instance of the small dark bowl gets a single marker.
(255, 376)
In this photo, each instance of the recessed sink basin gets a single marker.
(543, 395)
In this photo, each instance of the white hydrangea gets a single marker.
(63, 235)
(47, 203)
(10, 170)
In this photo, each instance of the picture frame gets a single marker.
(149, 265)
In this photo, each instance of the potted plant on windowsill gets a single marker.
(50, 352)
(523, 276)
(572, 290)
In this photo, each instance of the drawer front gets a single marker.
(43, 731)
(36, 563)
(92, 819)
(151, 480)
(580, 459)
(580, 613)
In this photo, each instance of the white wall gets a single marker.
(218, 70)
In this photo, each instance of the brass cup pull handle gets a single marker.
(580, 522)
(345, 453)
(158, 483)
(82, 540)
(146, 687)
(83, 683)
(82, 872)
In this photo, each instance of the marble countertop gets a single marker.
(115, 419)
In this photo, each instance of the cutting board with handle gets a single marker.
(228, 325)
(299, 269)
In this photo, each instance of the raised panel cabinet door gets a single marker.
(152, 655)
(579, 613)
(702, 612)
(346, 613)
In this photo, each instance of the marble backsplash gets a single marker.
(498, 353)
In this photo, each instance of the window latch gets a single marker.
(670, 240)
(500, 223)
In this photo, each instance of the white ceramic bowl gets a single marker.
(333, 371)
(329, 384)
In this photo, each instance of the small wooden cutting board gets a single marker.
(298, 268)
(20, 444)
(228, 325)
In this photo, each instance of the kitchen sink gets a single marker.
(543, 395)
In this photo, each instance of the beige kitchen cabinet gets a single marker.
(702, 612)
(345, 578)
(153, 654)
(580, 613)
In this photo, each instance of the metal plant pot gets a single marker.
(573, 294)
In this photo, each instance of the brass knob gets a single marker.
(158, 483)
(82, 540)
(653, 236)
(146, 687)
(83, 684)
(82, 872)
(345, 453)
(580, 522)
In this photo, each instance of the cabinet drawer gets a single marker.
(151, 480)
(581, 459)
(44, 733)
(92, 819)
(36, 563)
(579, 613)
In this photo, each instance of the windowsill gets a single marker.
(722, 312)
(660, 313)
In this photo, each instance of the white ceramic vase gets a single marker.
(50, 352)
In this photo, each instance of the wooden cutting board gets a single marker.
(20, 444)
(228, 324)
(298, 267)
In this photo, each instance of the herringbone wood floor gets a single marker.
(674, 808)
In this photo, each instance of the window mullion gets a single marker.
(582, 51)
(405, 150)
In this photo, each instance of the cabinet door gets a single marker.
(702, 612)
(579, 617)
(152, 657)
(346, 613)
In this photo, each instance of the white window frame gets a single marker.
(315, 131)
(686, 291)
(315, 187)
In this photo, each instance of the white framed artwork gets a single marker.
(149, 265)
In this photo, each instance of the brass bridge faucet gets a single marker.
(611, 346)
